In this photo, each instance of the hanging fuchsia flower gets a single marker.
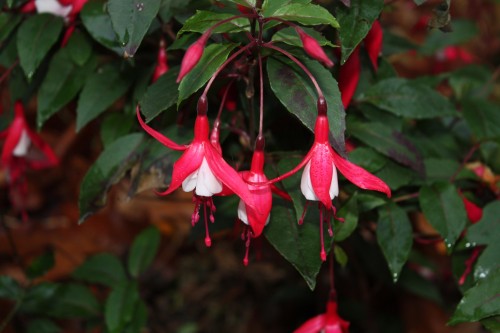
(319, 179)
(192, 56)
(161, 61)
(23, 150)
(328, 322)
(350, 72)
(201, 169)
(312, 48)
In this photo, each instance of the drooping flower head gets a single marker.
(201, 168)
(319, 179)
(328, 322)
(23, 150)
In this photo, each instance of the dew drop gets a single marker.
(482, 275)
(467, 245)
(395, 277)
(140, 6)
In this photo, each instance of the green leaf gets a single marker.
(246, 3)
(62, 83)
(131, 20)
(395, 237)
(479, 302)
(408, 99)
(9, 288)
(295, 91)
(387, 141)
(161, 95)
(36, 36)
(395, 175)
(290, 37)
(299, 244)
(420, 286)
(73, 301)
(488, 262)
(269, 7)
(103, 268)
(115, 125)
(203, 20)
(120, 306)
(355, 22)
(462, 32)
(143, 251)
(340, 255)
(444, 209)
(481, 232)
(469, 80)
(213, 57)
(349, 212)
(106, 171)
(40, 265)
(96, 21)
(368, 159)
(39, 297)
(43, 326)
(101, 89)
(306, 14)
(139, 319)
(79, 48)
(8, 23)
(482, 117)
(492, 323)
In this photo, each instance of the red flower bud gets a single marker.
(161, 62)
(312, 48)
(373, 43)
(192, 56)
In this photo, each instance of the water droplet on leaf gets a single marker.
(140, 6)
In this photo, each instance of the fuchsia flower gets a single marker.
(312, 48)
(328, 322)
(193, 55)
(319, 179)
(349, 73)
(201, 169)
(23, 150)
(161, 61)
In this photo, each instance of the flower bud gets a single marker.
(192, 56)
(312, 48)
(161, 62)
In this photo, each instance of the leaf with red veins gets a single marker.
(188, 163)
(349, 77)
(157, 135)
(373, 43)
(227, 175)
(359, 176)
(313, 325)
(322, 173)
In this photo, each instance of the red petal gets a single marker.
(227, 175)
(263, 199)
(157, 135)
(12, 139)
(474, 212)
(359, 176)
(184, 166)
(349, 77)
(322, 173)
(50, 157)
(313, 325)
(373, 43)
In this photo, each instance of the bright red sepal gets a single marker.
(13, 136)
(373, 43)
(262, 194)
(28, 7)
(329, 322)
(323, 158)
(161, 61)
(312, 48)
(192, 56)
(349, 74)
(474, 212)
(193, 156)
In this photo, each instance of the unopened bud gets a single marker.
(192, 56)
(161, 62)
(312, 48)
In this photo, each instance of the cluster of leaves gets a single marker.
(120, 307)
(405, 131)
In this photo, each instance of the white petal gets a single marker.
(334, 186)
(203, 181)
(242, 212)
(52, 7)
(306, 185)
(23, 145)
(307, 188)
